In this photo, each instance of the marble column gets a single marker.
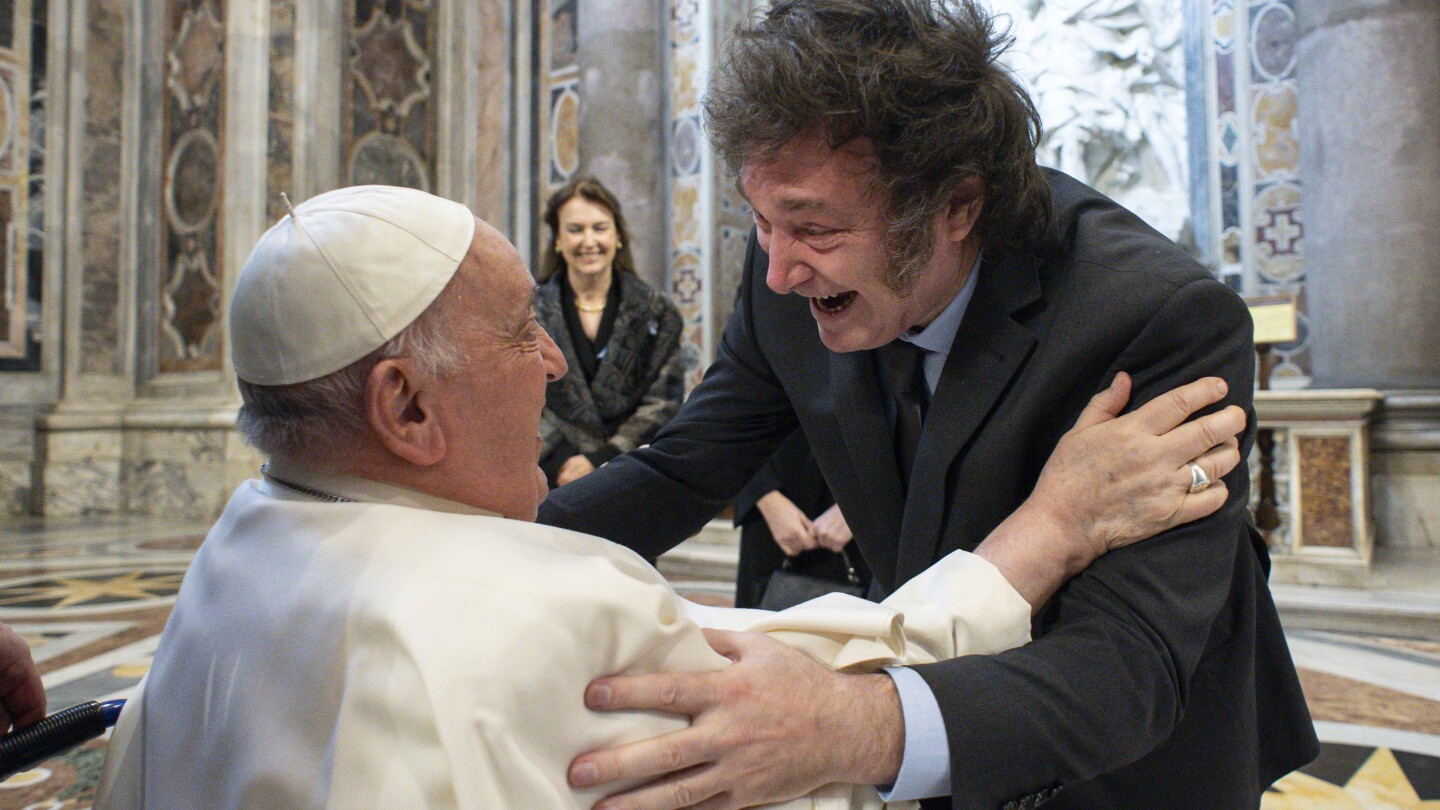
(622, 120)
(1370, 157)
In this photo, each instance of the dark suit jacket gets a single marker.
(1160, 676)
(638, 384)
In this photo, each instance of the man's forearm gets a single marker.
(876, 748)
(1035, 553)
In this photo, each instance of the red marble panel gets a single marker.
(1327, 510)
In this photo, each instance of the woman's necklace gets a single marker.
(592, 308)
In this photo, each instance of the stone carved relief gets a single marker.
(191, 190)
(1108, 77)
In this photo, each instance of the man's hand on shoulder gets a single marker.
(772, 726)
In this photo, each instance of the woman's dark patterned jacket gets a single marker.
(638, 384)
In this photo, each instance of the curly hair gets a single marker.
(593, 190)
(921, 80)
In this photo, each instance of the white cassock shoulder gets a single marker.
(467, 673)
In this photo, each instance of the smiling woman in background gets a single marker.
(620, 338)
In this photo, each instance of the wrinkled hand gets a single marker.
(1114, 481)
(788, 525)
(574, 468)
(830, 529)
(764, 729)
(22, 696)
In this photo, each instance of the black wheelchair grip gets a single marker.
(60, 731)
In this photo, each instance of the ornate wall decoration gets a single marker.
(559, 90)
(390, 117)
(1254, 187)
(1108, 77)
(691, 247)
(191, 189)
(15, 158)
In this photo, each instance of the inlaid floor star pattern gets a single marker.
(91, 598)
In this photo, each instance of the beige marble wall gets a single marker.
(100, 156)
(490, 124)
(1406, 487)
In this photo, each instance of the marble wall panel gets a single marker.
(280, 172)
(1405, 492)
(1328, 514)
(1254, 171)
(24, 289)
(692, 245)
(99, 350)
(389, 102)
(490, 191)
(90, 487)
(14, 487)
(15, 90)
(192, 190)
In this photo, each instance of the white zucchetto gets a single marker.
(343, 274)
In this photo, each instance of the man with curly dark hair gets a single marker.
(933, 308)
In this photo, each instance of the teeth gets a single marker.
(835, 303)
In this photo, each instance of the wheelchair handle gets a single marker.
(59, 732)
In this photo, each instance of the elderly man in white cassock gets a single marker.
(375, 622)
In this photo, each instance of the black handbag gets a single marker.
(794, 581)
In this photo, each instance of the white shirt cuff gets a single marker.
(925, 767)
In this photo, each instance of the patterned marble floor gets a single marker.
(91, 597)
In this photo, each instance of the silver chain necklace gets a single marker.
(314, 493)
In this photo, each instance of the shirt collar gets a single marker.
(366, 490)
(939, 336)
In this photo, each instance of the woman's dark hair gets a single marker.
(921, 80)
(593, 190)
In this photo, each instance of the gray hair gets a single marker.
(318, 417)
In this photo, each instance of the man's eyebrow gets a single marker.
(788, 205)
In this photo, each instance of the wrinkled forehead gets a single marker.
(494, 275)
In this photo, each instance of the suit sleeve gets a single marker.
(1107, 679)
(655, 497)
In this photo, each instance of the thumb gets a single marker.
(1107, 404)
(725, 642)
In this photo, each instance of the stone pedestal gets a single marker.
(1405, 469)
(1321, 470)
(176, 463)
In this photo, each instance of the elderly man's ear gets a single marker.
(399, 409)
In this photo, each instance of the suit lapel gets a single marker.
(989, 350)
(860, 410)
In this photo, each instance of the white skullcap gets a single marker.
(346, 272)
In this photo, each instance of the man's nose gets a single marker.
(555, 366)
(785, 271)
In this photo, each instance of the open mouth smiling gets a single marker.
(834, 304)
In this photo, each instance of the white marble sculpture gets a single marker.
(1108, 77)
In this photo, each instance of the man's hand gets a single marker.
(789, 526)
(830, 529)
(574, 468)
(1127, 479)
(772, 726)
(22, 696)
